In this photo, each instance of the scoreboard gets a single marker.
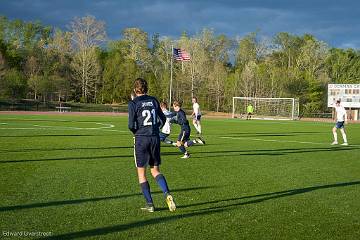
(348, 94)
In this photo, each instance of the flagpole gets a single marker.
(192, 79)
(171, 75)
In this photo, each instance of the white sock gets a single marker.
(344, 135)
(199, 128)
(335, 136)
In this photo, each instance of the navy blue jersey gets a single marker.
(144, 116)
(182, 121)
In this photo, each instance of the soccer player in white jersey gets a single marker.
(196, 115)
(341, 118)
(165, 131)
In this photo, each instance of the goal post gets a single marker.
(266, 108)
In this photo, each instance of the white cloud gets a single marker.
(352, 44)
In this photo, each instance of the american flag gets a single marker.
(181, 55)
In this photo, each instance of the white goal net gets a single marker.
(266, 108)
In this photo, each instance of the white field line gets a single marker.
(280, 141)
(103, 126)
(36, 119)
(64, 128)
(114, 130)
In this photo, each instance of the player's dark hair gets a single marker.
(140, 86)
(195, 98)
(163, 105)
(338, 101)
(177, 104)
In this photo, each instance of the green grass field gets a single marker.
(74, 176)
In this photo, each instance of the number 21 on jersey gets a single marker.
(150, 117)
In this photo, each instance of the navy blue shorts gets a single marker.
(163, 136)
(184, 135)
(197, 118)
(147, 151)
(339, 125)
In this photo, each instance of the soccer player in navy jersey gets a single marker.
(183, 140)
(145, 119)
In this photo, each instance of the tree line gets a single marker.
(82, 65)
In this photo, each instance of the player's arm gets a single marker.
(345, 116)
(193, 112)
(173, 119)
(162, 118)
(170, 115)
(160, 114)
(132, 121)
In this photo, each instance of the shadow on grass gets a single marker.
(206, 154)
(63, 149)
(54, 120)
(90, 158)
(196, 213)
(67, 159)
(268, 196)
(137, 224)
(49, 135)
(96, 199)
(261, 135)
(271, 152)
(62, 135)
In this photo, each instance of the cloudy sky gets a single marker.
(333, 21)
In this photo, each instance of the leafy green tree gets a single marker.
(286, 49)
(343, 65)
(216, 85)
(34, 83)
(2, 65)
(87, 34)
(119, 73)
(13, 84)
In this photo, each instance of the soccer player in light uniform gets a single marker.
(183, 140)
(166, 129)
(196, 115)
(341, 118)
(144, 116)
